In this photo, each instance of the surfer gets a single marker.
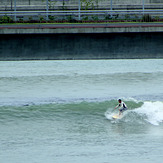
(122, 106)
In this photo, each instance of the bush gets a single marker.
(5, 19)
(70, 19)
(51, 18)
(147, 18)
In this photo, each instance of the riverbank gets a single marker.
(77, 46)
(81, 41)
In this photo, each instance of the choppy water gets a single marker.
(60, 111)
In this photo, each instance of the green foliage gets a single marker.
(157, 18)
(71, 19)
(116, 16)
(63, 5)
(41, 19)
(85, 18)
(52, 4)
(21, 20)
(97, 3)
(147, 18)
(88, 4)
(51, 18)
(30, 18)
(108, 17)
(95, 18)
(5, 19)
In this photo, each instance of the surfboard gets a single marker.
(117, 116)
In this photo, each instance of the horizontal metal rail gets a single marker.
(81, 12)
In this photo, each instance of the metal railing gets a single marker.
(78, 14)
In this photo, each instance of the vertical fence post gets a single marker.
(143, 6)
(79, 9)
(15, 10)
(111, 7)
(11, 4)
(47, 10)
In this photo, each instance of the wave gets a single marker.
(148, 112)
(138, 113)
(152, 112)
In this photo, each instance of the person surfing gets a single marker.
(122, 107)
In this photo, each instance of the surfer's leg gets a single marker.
(120, 111)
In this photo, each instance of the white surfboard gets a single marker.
(117, 116)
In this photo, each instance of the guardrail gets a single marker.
(80, 13)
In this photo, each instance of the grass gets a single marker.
(85, 22)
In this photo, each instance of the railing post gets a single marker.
(11, 4)
(15, 10)
(111, 7)
(47, 10)
(143, 6)
(79, 9)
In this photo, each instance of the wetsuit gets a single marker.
(122, 106)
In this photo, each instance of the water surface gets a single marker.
(60, 111)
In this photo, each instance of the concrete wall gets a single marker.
(81, 46)
(81, 28)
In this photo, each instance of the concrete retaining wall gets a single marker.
(81, 46)
(81, 28)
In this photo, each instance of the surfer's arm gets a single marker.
(117, 106)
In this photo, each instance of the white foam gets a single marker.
(152, 111)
